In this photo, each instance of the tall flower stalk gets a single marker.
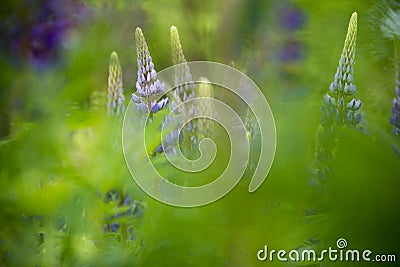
(182, 73)
(148, 87)
(339, 108)
(116, 99)
(185, 91)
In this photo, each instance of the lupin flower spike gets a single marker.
(184, 91)
(176, 47)
(341, 108)
(182, 75)
(116, 99)
(147, 85)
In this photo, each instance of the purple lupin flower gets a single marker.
(147, 85)
(291, 17)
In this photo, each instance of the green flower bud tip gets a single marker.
(116, 99)
(183, 78)
(343, 85)
(176, 47)
(344, 74)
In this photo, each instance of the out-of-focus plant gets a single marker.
(37, 35)
(291, 18)
(390, 29)
(386, 16)
(395, 120)
(123, 215)
(185, 91)
(205, 89)
(384, 25)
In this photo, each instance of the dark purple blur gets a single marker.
(291, 17)
(292, 50)
(33, 31)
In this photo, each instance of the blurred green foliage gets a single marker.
(61, 155)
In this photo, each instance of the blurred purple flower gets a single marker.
(291, 51)
(34, 30)
(291, 17)
(395, 119)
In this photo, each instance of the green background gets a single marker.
(60, 154)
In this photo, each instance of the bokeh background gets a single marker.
(66, 195)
